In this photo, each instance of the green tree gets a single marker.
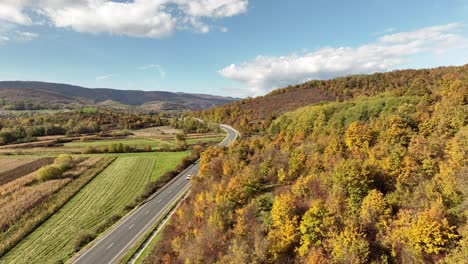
(314, 227)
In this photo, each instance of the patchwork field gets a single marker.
(27, 202)
(127, 141)
(140, 142)
(98, 202)
(11, 168)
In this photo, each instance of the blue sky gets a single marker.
(224, 47)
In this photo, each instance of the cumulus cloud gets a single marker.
(137, 18)
(265, 73)
(212, 8)
(13, 11)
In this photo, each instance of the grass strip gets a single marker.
(34, 218)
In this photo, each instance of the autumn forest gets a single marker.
(373, 169)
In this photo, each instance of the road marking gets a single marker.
(169, 191)
(160, 200)
(147, 211)
(110, 245)
(131, 226)
(151, 222)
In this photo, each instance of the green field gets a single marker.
(104, 197)
(204, 140)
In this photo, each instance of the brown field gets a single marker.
(12, 168)
(162, 132)
(25, 203)
(38, 151)
(24, 193)
(17, 197)
(168, 133)
(34, 144)
(32, 218)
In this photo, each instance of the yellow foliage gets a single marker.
(350, 246)
(374, 209)
(358, 137)
(314, 227)
(317, 256)
(426, 232)
(283, 234)
(282, 237)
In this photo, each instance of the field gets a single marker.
(49, 221)
(157, 132)
(11, 169)
(155, 143)
(156, 138)
(140, 142)
(26, 202)
(21, 195)
(95, 205)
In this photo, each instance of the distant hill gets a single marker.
(40, 93)
(255, 114)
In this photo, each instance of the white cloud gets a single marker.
(213, 8)
(26, 36)
(4, 39)
(158, 67)
(266, 73)
(104, 77)
(13, 11)
(9, 32)
(137, 18)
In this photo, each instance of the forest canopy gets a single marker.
(378, 176)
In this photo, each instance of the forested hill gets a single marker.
(40, 95)
(253, 115)
(369, 179)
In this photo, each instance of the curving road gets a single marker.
(113, 245)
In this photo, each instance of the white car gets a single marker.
(188, 176)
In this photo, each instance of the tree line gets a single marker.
(22, 129)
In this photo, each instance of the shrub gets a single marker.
(82, 240)
(148, 148)
(63, 162)
(49, 172)
(91, 150)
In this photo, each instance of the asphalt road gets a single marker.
(115, 244)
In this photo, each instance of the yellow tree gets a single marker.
(282, 237)
(350, 246)
(358, 137)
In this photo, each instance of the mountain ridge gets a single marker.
(45, 92)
